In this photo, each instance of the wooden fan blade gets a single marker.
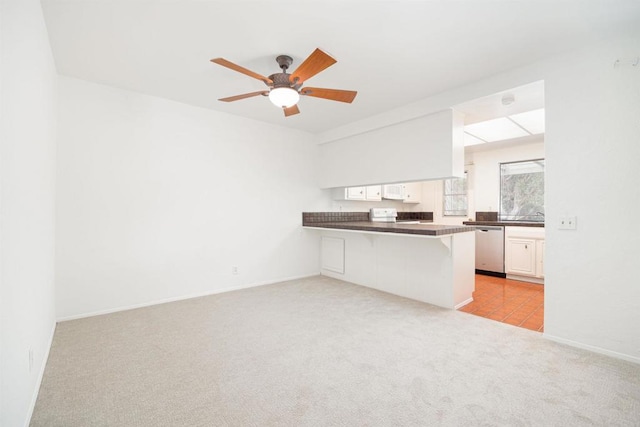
(332, 94)
(291, 110)
(316, 62)
(243, 96)
(234, 67)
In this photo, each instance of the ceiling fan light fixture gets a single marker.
(284, 97)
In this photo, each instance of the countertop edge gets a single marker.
(505, 223)
(394, 228)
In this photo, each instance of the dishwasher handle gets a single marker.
(487, 229)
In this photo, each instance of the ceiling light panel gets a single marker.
(471, 140)
(495, 130)
(533, 121)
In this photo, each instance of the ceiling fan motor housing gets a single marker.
(280, 79)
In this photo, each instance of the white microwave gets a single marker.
(393, 191)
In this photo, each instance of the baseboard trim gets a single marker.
(537, 280)
(593, 348)
(183, 297)
(491, 273)
(463, 303)
(34, 398)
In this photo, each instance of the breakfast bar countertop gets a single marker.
(422, 228)
(411, 256)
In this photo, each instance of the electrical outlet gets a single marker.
(567, 223)
(234, 269)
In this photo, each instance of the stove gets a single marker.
(383, 214)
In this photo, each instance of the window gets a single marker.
(455, 196)
(522, 190)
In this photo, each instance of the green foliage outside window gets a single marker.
(522, 190)
(455, 196)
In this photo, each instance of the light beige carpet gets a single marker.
(323, 352)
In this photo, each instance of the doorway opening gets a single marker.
(504, 154)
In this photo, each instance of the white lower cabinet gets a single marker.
(540, 258)
(520, 256)
(524, 253)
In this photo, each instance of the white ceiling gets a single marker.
(487, 111)
(525, 98)
(391, 52)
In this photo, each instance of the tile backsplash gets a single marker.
(486, 216)
(423, 216)
(310, 217)
(315, 217)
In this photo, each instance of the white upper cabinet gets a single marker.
(371, 193)
(406, 193)
(412, 192)
(355, 193)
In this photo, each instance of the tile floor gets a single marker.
(508, 301)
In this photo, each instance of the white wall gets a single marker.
(432, 192)
(27, 177)
(486, 171)
(592, 295)
(158, 200)
(591, 276)
(427, 147)
(483, 179)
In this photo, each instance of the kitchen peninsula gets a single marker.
(415, 259)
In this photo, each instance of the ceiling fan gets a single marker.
(284, 88)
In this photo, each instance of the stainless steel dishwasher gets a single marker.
(490, 250)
